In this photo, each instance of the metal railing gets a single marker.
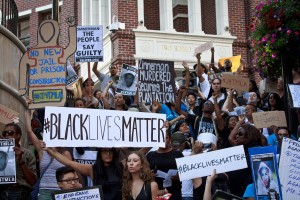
(9, 15)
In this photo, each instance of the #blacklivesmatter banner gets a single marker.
(82, 127)
(201, 165)
(89, 44)
(156, 81)
(8, 163)
(289, 169)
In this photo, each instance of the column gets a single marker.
(222, 17)
(141, 20)
(166, 15)
(194, 15)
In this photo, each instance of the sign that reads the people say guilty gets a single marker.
(89, 44)
(81, 127)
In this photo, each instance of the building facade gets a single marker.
(154, 29)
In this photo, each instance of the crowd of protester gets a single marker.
(131, 173)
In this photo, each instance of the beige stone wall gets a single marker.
(11, 50)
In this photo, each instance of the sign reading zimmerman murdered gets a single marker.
(80, 127)
(201, 165)
(89, 44)
(43, 67)
(93, 193)
(156, 81)
(267, 119)
(235, 82)
(289, 169)
(7, 114)
(8, 163)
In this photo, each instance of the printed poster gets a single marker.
(7, 161)
(128, 80)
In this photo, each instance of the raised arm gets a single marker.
(95, 70)
(84, 169)
(32, 137)
(181, 90)
(228, 104)
(212, 61)
(220, 120)
(199, 70)
(187, 77)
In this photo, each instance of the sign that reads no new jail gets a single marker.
(89, 44)
(156, 81)
(81, 127)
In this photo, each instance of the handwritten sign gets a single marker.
(7, 114)
(81, 127)
(93, 193)
(235, 82)
(201, 165)
(156, 81)
(265, 172)
(89, 44)
(267, 119)
(289, 169)
(203, 47)
(43, 67)
(235, 61)
(128, 80)
(295, 92)
(8, 163)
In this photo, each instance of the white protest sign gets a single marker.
(203, 47)
(82, 127)
(72, 76)
(207, 138)
(201, 165)
(295, 92)
(89, 44)
(267, 119)
(289, 169)
(7, 114)
(92, 193)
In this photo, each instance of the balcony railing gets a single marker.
(9, 15)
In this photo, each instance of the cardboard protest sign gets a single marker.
(72, 76)
(203, 47)
(93, 193)
(8, 163)
(289, 169)
(267, 119)
(7, 114)
(89, 44)
(81, 127)
(265, 172)
(43, 67)
(128, 80)
(201, 165)
(156, 81)
(295, 93)
(235, 82)
(235, 60)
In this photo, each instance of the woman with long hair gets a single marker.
(274, 102)
(138, 183)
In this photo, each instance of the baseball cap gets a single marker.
(177, 139)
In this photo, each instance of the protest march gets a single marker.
(93, 115)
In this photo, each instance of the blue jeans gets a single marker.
(45, 194)
(187, 198)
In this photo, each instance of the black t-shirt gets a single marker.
(164, 162)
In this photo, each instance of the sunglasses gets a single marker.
(8, 133)
(69, 181)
